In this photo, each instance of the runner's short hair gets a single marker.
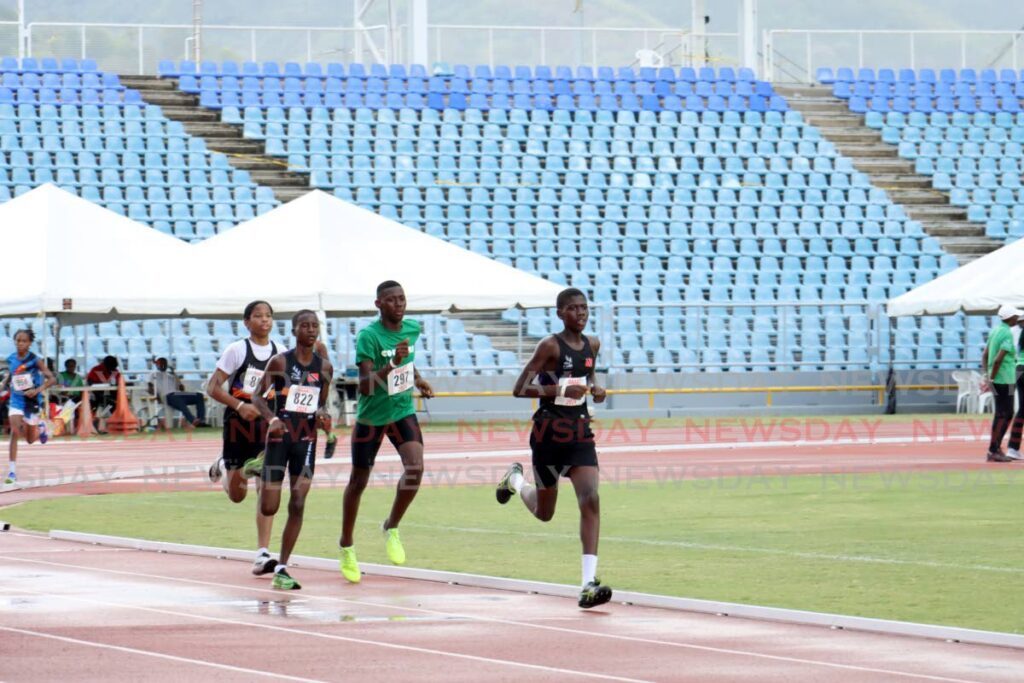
(299, 314)
(566, 294)
(251, 308)
(387, 284)
(30, 333)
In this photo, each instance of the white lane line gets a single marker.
(10, 553)
(331, 636)
(512, 622)
(159, 655)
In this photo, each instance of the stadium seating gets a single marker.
(641, 187)
(109, 147)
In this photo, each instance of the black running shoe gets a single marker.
(594, 594)
(504, 491)
(332, 443)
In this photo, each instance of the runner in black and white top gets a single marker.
(241, 369)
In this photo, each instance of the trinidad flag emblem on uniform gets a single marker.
(588, 363)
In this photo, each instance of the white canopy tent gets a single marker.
(328, 255)
(979, 287)
(73, 260)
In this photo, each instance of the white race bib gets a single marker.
(302, 399)
(568, 382)
(22, 382)
(251, 380)
(401, 379)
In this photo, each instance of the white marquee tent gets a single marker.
(980, 287)
(328, 255)
(68, 258)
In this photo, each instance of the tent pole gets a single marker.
(519, 335)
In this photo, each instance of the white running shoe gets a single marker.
(215, 470)
(264, 564)
(1014, 454)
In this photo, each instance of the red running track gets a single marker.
(78, 612)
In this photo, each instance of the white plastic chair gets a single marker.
(966, 390)
(986, 401)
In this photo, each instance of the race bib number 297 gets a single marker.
(401, 379)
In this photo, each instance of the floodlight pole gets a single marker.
(698, 33)
(197, 30)
(748, 34)
(419, 52)
(22, 30)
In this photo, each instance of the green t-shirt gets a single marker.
(66, 379)
(377, 343)
(1001, 339)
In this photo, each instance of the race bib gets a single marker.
(251, 380)
(401, 379)
(302, 399)
(568, 382)
(22, 382)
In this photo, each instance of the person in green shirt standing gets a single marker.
(385, 354)
(999, 362)
(1013, 450)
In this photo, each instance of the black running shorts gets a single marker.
(298, 458)
(366, 439)
(243, 440)
(558, 445)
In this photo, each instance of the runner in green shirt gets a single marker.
(999, 361)
(385, 354)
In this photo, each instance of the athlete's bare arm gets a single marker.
(545, 358)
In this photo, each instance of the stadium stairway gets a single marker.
(881, 162)
(243, 154)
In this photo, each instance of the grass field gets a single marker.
(935, 547)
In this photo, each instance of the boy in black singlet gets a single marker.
(561, 374)
(241, 368)
(301, 382)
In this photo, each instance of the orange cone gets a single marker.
(85, 429)
(122, 421)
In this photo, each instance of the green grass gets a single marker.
(934, 547)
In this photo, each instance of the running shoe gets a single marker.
(43, 435)
(332, 443)
(284, 581)
(594, 594)
(1014, 454)
(215, 470)
(998, 456)
(349, 565)
(264, 564)
(11, 478)
(393, 544)
(504, 491)
(254, 467)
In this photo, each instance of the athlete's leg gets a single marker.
(236, 485)
(584, 480)
(411, 453)
(296, 508)
(541, 499)
(17, 425)
(264, 523)
(357, 481)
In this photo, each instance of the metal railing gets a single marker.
(577, 46)
(140, 47)
(810, 49)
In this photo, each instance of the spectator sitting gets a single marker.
(70, 378)
(104, 372)
(166, 386)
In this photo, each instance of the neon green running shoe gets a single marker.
(594, 594)
(393, 544)
(349, 565)
(254, 467)
(284, 581)
(11, 478)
